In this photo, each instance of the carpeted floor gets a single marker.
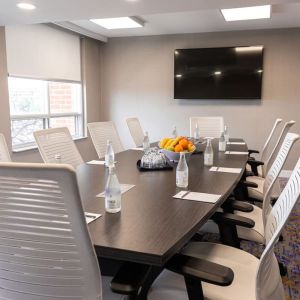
(287, 251)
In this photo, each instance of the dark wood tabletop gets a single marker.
(152, 225)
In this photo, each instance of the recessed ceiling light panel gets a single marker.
(27, 6)
(247, 13)
(118, 23)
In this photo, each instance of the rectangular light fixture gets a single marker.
(249, 48)
(247, 13)
(119, 23)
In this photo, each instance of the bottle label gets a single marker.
(222, 146)
(208, 159)
(182, 178)
(112, 201)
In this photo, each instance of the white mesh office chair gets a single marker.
(58, 142)
(101, 132)
(257, 193)
(136, 131)
(268, 156)
(258, 215)
(254, 279)
(208, 126)
(264, 192)
(4, 153)
(46, 251)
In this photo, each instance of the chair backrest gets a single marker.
(268, 280)
(4, 152)
(208, 126)
(101, 132)
(264, 151)
(58, 141)
(268, 162)
(135, 130)
(275, 170)
(46, 251)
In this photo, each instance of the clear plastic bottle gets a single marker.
(146, 142)
(197, 132)
(112, 192)
(174, 132)
(222, 142)
(226, 134)
(209, 154)
(109, 155)
(182, 172)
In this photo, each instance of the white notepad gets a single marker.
(137, 149)
(90, 217)
(124, 188)
(226, 170)
(236, 143)
(236, 152)
(201, 197)
(96, 162)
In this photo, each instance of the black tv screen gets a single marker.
(218, 73)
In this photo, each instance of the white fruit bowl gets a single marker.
(175, 156)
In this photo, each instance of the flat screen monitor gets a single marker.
(218, 73)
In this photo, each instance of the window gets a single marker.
(41, 104)
(41, 52)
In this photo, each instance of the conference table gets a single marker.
(152, 225)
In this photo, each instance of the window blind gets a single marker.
(42, 52)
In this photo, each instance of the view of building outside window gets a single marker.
(40, 104)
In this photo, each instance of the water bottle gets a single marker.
(174, 132)
(209, 154)
(146, 143)
(197, 132)
(112, 192)
(222, 143)
(182, 172)
(57, 158)
(109, 155)
(226, 134)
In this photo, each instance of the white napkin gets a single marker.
(236, 152)
(201, 197)
(226, 170)
(236, 143)
(90, 217)
(137, 149)
(124, 188)
(96, 162)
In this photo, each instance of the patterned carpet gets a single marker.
(287, 251)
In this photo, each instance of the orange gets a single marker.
(178, 148)
(184, 143)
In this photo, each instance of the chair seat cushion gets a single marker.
(244, 265)
(255, 234)
(256, 193)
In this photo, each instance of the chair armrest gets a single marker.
(249, 184)
(231, 204)
(200, 269)
(129, 278)
(254, 164)
(248, 173)
(232, 219)
(250, 151)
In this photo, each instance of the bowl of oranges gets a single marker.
(172, 147)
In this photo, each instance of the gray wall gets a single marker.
(138, 81)
(91, 66)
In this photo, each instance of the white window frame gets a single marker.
(80, 120)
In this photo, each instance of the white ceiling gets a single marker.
(161, 16)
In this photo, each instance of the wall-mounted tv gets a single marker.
(218, 73)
